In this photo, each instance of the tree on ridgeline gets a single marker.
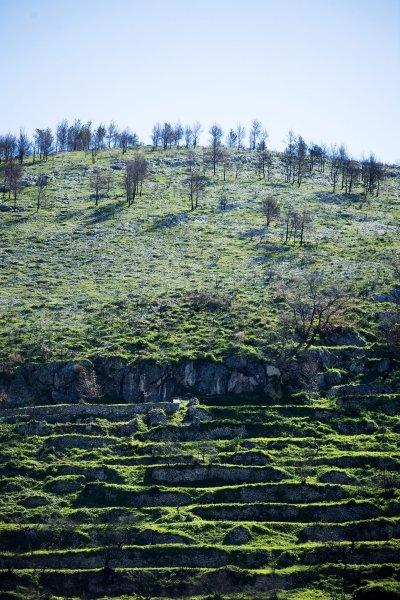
(156, 135)
(264, 162)
(127, 139)
(343, 159)
(372, 173)
(167, 135)
(216, 134)
(254, 134)
(73, 136)
(99, 137)
(335, 167)
(231, 139)
(352, 174)
(79, 136)
(288, 157)
(188, 136)
(112, 134)
(301, 159)
(196, 133)
(62, 136)
(177, 134)
(8, 147)
(240, 135)
(43, 143)
(23, 146)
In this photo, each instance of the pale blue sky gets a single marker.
(328, 69)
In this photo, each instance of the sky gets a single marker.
(327, 69)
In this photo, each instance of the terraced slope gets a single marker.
(184, 499)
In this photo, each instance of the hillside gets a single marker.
(160, 281)
(195, 403)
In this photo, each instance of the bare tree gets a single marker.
(238, 163)
(43, 143)
(225, 159)
(167, 135)
(23, 146)
(74, 136)
(304, 222)
(188, 134)
(207, 450)
(62, 136)
(270, 208)
(352, 174)
(127, 139)
(231, 139)
(87, 386)
(288, 157)
(98, 183)
(215, 143)
(12, 175)
(372, 174)
(291, 224)
(112, 134)
(195, 184)
(196, 133)
(240, 135)
(8, 147)
(314, 152)
(178, 134)
(156, 135)
(343, 160)
(316, 304)
(41, 185)
(335, 167)
(264, 162)
(301, 159)
(388, 332)
(100, 136)
(296, 225)
(255, 133)
(135, 173)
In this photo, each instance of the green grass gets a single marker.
(82, 281)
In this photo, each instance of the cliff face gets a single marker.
(143, 381)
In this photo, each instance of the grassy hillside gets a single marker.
(157, 280)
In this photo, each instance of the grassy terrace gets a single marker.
(160, 281)
(194, 518)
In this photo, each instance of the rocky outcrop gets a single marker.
(237, 536)
(183, 474)
(142, 381)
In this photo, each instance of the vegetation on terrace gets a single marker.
(90, 511)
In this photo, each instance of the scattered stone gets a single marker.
(195, 415)
(273, 371)
(155, 417)
(339, 477)
(238, 535)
